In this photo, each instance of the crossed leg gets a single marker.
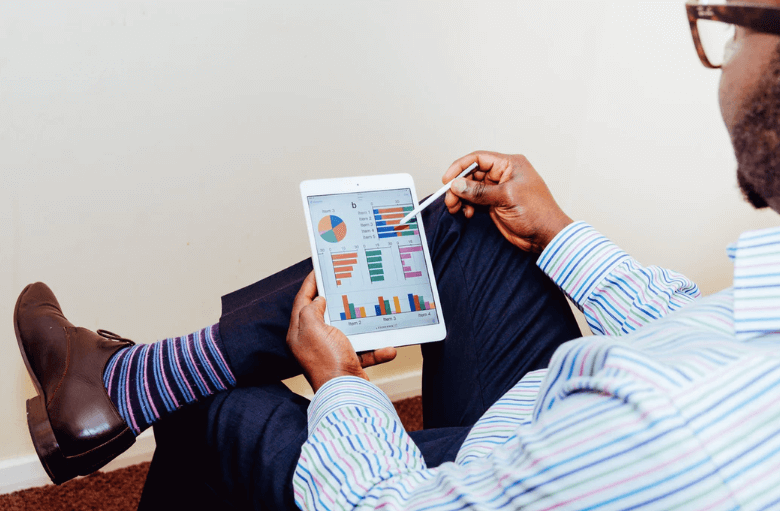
(504, 318)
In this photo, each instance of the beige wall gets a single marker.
(150, 152)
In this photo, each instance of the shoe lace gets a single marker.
(113, 336)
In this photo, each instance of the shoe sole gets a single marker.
(58, 466)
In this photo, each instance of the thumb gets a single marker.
(380, 356)
(319, 304)
(477, 192)
(313, 313)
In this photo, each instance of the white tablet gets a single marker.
(375, 274)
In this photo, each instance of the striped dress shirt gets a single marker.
(673, 404)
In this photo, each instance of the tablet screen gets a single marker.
(374, 270)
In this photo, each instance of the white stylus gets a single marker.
(438, 194)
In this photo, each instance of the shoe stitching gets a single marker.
(67, 366)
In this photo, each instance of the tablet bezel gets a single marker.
(375, 340)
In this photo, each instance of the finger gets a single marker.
(380, 356)
(306, 293)
(313, 314)
(318, 305)
(309, 287)
(303, 298)
(451, 201)
(484, 159)
(468, 210)
(478, 192)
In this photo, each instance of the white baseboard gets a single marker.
(397, 386)
(23, 472)
(401, 386)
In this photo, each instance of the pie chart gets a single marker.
(332, 228)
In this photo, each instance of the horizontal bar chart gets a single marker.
(343, 265)
(376, 270)
(411, 257)
(388, 222)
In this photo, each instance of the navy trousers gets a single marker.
(238, 449)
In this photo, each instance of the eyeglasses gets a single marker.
(713, 26)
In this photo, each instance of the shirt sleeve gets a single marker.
(616, 293)
(358, 456)
(356, 442)
(597, 443)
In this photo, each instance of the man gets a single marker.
(674, 405)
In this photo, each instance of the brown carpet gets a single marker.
(120, 490)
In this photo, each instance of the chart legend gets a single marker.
(388, 220)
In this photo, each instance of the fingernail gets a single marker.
(459, 185)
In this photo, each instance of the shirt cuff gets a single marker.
(578, 259)
(347, 391)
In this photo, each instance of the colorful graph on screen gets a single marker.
(412, 261)
(332, 228)
(376, 270)
(373, 269)
(418, 303)
(343, 265)
(388, 221)
(384, 306)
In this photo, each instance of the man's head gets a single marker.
(750, 105)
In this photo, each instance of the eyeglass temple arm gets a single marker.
(761, 19)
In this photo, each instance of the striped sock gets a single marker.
(149, 381)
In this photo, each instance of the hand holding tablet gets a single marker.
(323, 351)
(374, 271)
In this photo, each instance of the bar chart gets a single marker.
(381, 267)
(343, 265)
(388, 220)
(418, 303)
(350, 311)
(376, 270)
(412, 261)
(384, 306)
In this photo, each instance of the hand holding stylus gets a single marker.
(519, 201)
(441, 191)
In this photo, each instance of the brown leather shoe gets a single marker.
(74, 425)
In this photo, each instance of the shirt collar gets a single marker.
(756, 258)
